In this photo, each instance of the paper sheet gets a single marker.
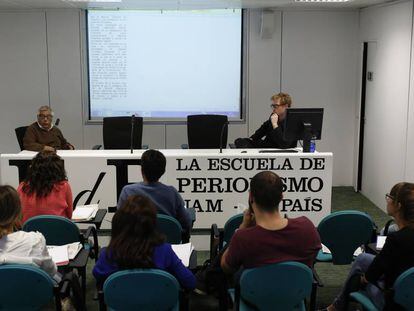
(183, 251)
(59, 254)
(381, 241)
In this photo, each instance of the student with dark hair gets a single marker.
(135, 243)
(265, 237)
(46, 190)
(19, 247)
(391, 210)
(378, 273)
(166, 198)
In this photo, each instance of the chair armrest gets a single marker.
(184, 146)
(192, 212)
(316, 278)
(87, 233)
(387, 226)
(102, 305)
(96, 147)
(57, 294)
(92, 230)
(64, 288)
(214, 241)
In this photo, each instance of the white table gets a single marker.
(215, 184)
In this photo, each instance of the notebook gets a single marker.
(85, 212)
(63, 253)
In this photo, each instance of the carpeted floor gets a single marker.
(343, 198)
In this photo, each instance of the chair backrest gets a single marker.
(170, 227)
(57, 230)
(281, 286)
(24, 287)
(204, 131)
(143, 289)
(20, 131)
(343, 232)
(404, 289)
(230, 227)
(117, 132)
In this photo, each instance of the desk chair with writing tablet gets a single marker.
(59, 230)
(140, 289)
(170, 227)
(403, 293)
(342, 232)
(280, 286)
(219, 238)
(25, 287)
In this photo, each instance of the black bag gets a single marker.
(212, 280)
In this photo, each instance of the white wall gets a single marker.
(23, 72)
(391, 28)
(319, 66)
(312, 55)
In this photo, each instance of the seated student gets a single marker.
(166, 198)
(46, 190)
(20, 247)
(270, 133)
(276, 239)
(396, 256)
(135, 243)
(391, 209)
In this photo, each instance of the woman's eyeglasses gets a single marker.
(389, 197)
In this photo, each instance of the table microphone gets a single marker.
(221, 135)
(132, 132)
(57, 122)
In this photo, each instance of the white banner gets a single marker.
(215, 184)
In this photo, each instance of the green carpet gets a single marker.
(343, 198)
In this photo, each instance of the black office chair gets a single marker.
(204, 131)
(20, 132)
(117, 133)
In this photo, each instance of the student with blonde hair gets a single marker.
(270, 134)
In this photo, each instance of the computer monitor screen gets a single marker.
(303, 124)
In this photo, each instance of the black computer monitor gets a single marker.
(303, 124)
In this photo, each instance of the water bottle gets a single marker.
(312, 145)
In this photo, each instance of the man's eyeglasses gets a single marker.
(389, 197)
(44, 116)
(274, 106)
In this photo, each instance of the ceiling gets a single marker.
(180, 4)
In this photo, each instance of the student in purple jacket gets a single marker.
(135, 243)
